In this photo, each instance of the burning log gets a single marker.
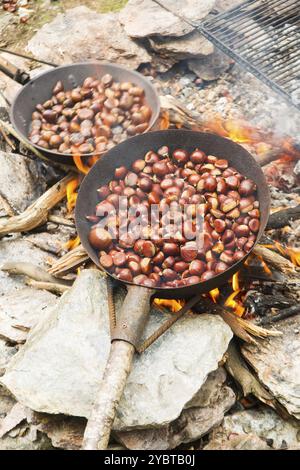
(285, 313)
(37, 213)
(283, 217)
(276, 260)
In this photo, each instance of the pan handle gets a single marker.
(130, 325)
(13, 72)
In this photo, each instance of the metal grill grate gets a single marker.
(264, 37)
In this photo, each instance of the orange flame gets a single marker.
(72, 243)
(80, 165)
(214, 294)
(173, 305)
(72, 194)
(235, 305)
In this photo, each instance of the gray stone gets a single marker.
(18, 249)
(277, 364)
(205, 411)
(263, 423)
(6, 353)
(27, 441)
(192, 45)
(59, 368)
(142, 18)
(22, 310)
(210, 67)
(20, 181)
(81, 34)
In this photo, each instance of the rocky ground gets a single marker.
(186, 389)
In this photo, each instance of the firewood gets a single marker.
(33, 272)
(284, 217)
(70, 261)
(37, 213)
(281, 315)
(278, 261)
(56, 288)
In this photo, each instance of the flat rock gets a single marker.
(59, 368)
(210, 67)
(206, 411)
(142, 18)
(192, 45)
(20, 181)
(277, 364)
(81, 34)
(261, 422)
(21, 311)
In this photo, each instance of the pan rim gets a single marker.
(219, 276)
(153, 119)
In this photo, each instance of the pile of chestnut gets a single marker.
(230, 219)
(91, 118)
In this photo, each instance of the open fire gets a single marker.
(261, 143)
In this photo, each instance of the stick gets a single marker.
(56, 288)
(284, 313)
(33, 272)
(276, 260)
(61, 220)
(71, 260)
(282, 218)
(37, 213)
(97, 432)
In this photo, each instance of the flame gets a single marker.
(80, 165)
(235, 282)
(214, 294)
(235, 305)
(72, 194)
(72, 243)
(171, 304)
(286, 251)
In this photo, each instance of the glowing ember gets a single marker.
(214, 294)
(72, 194)
(173, 305)
(235, 305)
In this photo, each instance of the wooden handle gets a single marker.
(131, 322)
(13, 72)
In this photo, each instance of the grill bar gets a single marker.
(264, 37)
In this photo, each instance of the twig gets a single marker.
(32, 271)
(56, 288)
(276, 260)
(71, 260)
(282, 218)
(284, 313)
(37, 213)
(6, 138)
(60, 220)
(30, 147)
